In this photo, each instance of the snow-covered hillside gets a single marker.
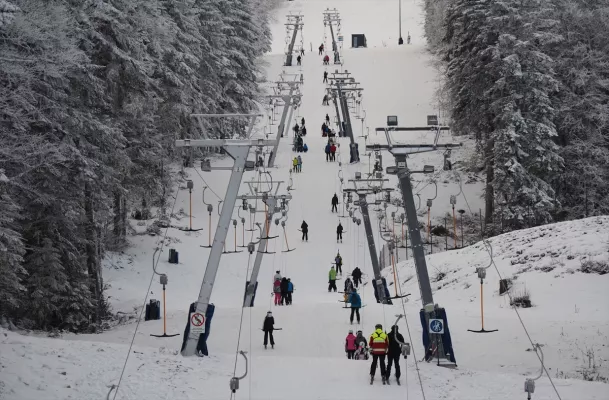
(570, 313)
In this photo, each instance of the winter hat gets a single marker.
(378, 326)
(269, 313)
(350, 330)
(394, 328)
(277, 271)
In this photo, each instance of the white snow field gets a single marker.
(569, 317)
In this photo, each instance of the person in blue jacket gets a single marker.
(356, 304)
(290, 291)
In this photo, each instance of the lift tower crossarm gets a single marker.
(295, 21)
(238, 150)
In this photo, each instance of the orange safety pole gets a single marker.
(455, 225)
(190, 204)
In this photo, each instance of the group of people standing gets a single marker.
(282, 290)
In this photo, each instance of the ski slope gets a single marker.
(308, 361)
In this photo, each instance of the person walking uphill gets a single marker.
(304, 227)
(268, 327)
(339, 233)
(335, 203)
(379, 345)
(357, 276)
(350, 346)
(332, 280)
(394, 353)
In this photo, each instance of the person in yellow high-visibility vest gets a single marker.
(379, 345)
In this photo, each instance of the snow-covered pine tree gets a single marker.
(525, 156)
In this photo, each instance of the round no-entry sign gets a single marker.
(197, 320)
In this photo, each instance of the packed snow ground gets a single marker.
(570, 308)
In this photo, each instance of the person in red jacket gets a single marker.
(350, 345)
(379, 345)
(333, 152)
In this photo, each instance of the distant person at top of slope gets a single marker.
(298, 60)
(325, 77)
(332, 279)
(302, 52)
(350, 345)
(325, 102)
(357, 276)
(268, 327)
(304, 227)
(339, 233)
(302, 121)
(335, 203)
(296, 129)
(321, 49)
(327, 119)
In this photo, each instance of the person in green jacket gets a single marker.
(332, 279)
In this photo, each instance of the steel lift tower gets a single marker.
(341, 84)
(430, 310)
(238, 150)
(296, 22)
(291, 100)
(332, 17)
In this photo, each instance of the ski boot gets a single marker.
(398, 382)
(371, 379)
(265, 346)
(272, 346)
(384, 380)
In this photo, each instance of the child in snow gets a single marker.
(299, 166)
(350, 346)
(290, 291)
(277, 291)
(339, 263)
(361, 344)
(268, 327)
(332, 280)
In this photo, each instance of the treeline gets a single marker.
(93, 94)
(529, 79)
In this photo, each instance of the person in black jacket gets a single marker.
(302, 121)
(305, 231)
(335, 203)
(325, 77)
(357, 276)
(339, 232)
(394, 353)
(268, 328)
(284, 291)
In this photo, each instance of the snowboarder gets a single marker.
(327, 119)
(290, 291)
(394, 353)
(304, 227)
(298, 60)
(327, 150)
(339, 233)
(350, 346)
(268, 327)
(356, 303)
(284, 290)
(325, 101)
(277, 291)
(335, 203)
(321, 49)
(379, 345)
(339, 263)
(348, 287)
(332, 279)
(333, 152)
(325, 77)
(362, 346)
(299, 166)
(357, 276)
(295, 164)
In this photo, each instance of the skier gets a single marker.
(357, 276)
(302, 52)
(303, 131)
(325, 77)
(327, 60)
(325, 101)
(284, 290)
(305, 231)
(268, 327)
(298, 60)
(395, 351)
(379, 346)
(296, 129)
(334, 202)
(321, 49)
(277, 291)
(295, 164)
(299, 166)
(339, 263)
(302, 122)
(339, 233)
(332, 279)
(290, 291)
(323, 129)
(408, 39)
(362, 346)
(348, 288)
(350, 346)
(333, 152)
(356, 303)
(277, 276)
(305, 148)
(327, 118)
(327, 150)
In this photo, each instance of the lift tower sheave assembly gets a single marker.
(434, 322)
(342, 83)
(291, 100)
(238, 150)
(296, 22)
(332, 17)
